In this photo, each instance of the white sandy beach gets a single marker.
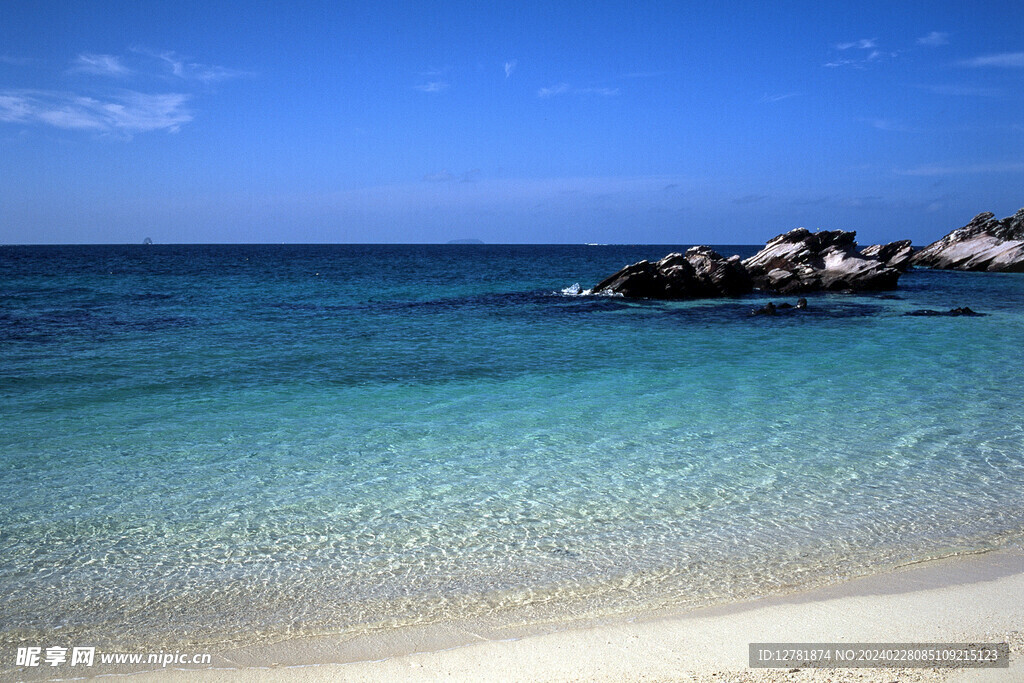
(978, 599)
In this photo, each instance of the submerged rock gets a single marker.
(983, 244)
(805, 261)
(699, 273)
(771, 309)
(768, 309)
(894, 254)
(964, 310)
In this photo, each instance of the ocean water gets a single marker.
(212, 445)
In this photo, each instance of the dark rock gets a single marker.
(771, 309)
(719, 276)
(699, 273)
(894, 254)
(964, 310)
(767, 309)
(983, 244)
(802, 261)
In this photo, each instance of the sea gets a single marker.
(205, 446)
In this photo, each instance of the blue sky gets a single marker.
(633, 122)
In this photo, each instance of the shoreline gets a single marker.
(976, 598)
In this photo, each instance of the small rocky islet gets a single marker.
(985, 244)
(801, 261)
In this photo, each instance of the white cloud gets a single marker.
(14, 108)
(1004, 59)
(510, 66)
(181, 67)
(558, 89)
(858, 62)
(116, 112)
(934, 39)
(862, 44)
(566, 89)
(432, 86)
(125, 114)
(100, 65)
(778, 97)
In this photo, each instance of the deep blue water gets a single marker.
(205, 444)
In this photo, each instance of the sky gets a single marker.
(571, 122)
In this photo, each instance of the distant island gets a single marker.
(470, 240)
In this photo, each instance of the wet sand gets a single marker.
(977, 598)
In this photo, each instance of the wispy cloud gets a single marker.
(510, 66)
(887, 125)
(432, 86)
(934, 39)
(855, 63)
(862, 44)
(124, 114)
(1003, 59)
(942, 170)
(558, 89)
(148, 63)
(869, 45)
(94, 106)
(777, 97)
(566, 89)
(186, 69)
(100, 65)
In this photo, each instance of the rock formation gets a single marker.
(805, 261)
(798, 261)
(983, 244)
(699, 273)
(894, 254)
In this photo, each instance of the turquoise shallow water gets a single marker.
(207, 445)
